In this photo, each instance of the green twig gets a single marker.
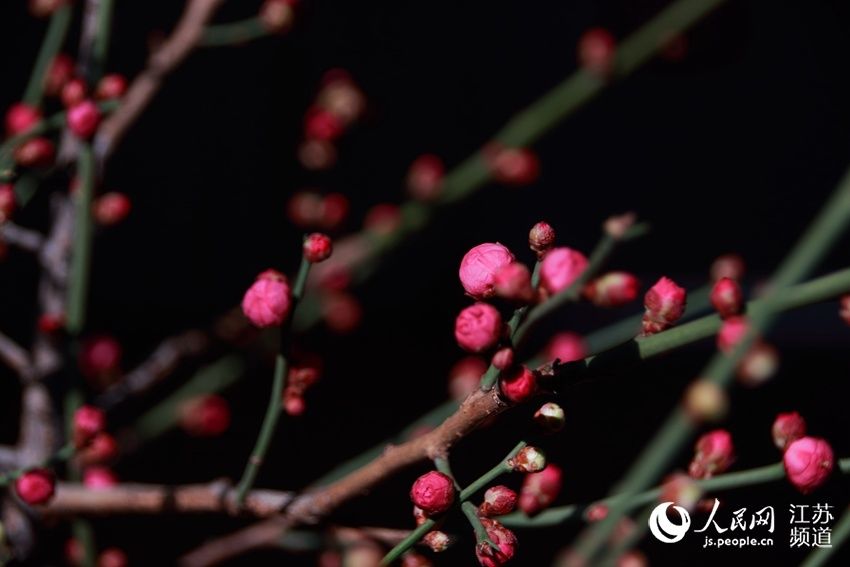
(53, 40)
(840, 534)
(234, 33)
(470, 510)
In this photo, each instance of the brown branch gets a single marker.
(214, 497)
(164, 60)
(313, 505)
(14, 355)
(24, 238)
(8, 458)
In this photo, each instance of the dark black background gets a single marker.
(733, 149)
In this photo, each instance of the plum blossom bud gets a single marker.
(99, 478)
(110, 87)
(205, 416)
(438, 541)
(504, 539)
(808, 463)
(787, 428)
(21, 117)
(7, 201)
(550, 417)
(617, 226)
(714, 454)
(383, 219)
(759, 365)
(566, 347)
(37, 152)
(665, 304)
(60, 72)
(728, 266)
(50, 323)
(596, 50)
(101, 450)
(513, 166)
(267, 301)
(83, 119)
(519, 385)
(320, 124)
(560, 268)
(681, 489)
(36, 486)
(498, 501)
(433, 492)
(419, 515)
(317, 155)
(478, 327)
(425, 177)
(300, 379)
(614, 289)
(539, 490)
(727, 297)
(74, 92)
(504, 358)
(277, 16)
(705, 400)
(88, 422)
(44, 8)
(317, 247)
(596, 512)
(513, 282)
(111, 208)
(844, 310)
(333, 209)
(465, 376)
(341, 96)
(529, 459)
(541, 237)
(100, 357)
(732, 331)
(112, 557)
(479, 267)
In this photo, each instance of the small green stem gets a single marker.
(234, 33)
(273, 410)
(840, 533)
(83, 233)
(488, 477)
(101, 41)
(53, 40)
(470, 510)
(408, 542)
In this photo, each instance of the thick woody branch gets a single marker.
(214, 497)
(170, 54)
(14, 355)
(23, 238)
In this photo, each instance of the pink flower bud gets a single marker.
(88, 422)
(727, 297)
(596, 512)
(539, 490)
(705, 400)
(317, 155)
(112, 557)
(465, 376)
(519, 385)
(529, 460)
(50, 323)
(383, 219)
(100, 356)
(267, 301)
(110, 87)
(44, 8)
(682, 490)
(320, 124)
(304, 209)
(205, 416)
(759, 364)
(808, 463)
(498, 501)
(479, 267)
(714, 454)
(513, 282)
(614, 289)
(7, 201)
(844, 310)
(560, 268)
(36, 486)
(317, 247)
(111, 208)
(277, 16)
(21, 117)
(37, 152)
(478, 327)
(513, 166)
(60, 72)
(99, 478)
(341, 96)
(541, 237)
(101, 449)
(433, 492)
(419, 515)
(550, 417)
(504, 539)
(438, 541)
(617, 225)
(566, 347)
(665, 304)
(728, 266)
(596, 50)
(333, 210)
(425, 177)
(787, 428)
(83, 119)
(732, 331)
(504, 358)
(74, 92)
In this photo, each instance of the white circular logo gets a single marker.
(663, 529)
